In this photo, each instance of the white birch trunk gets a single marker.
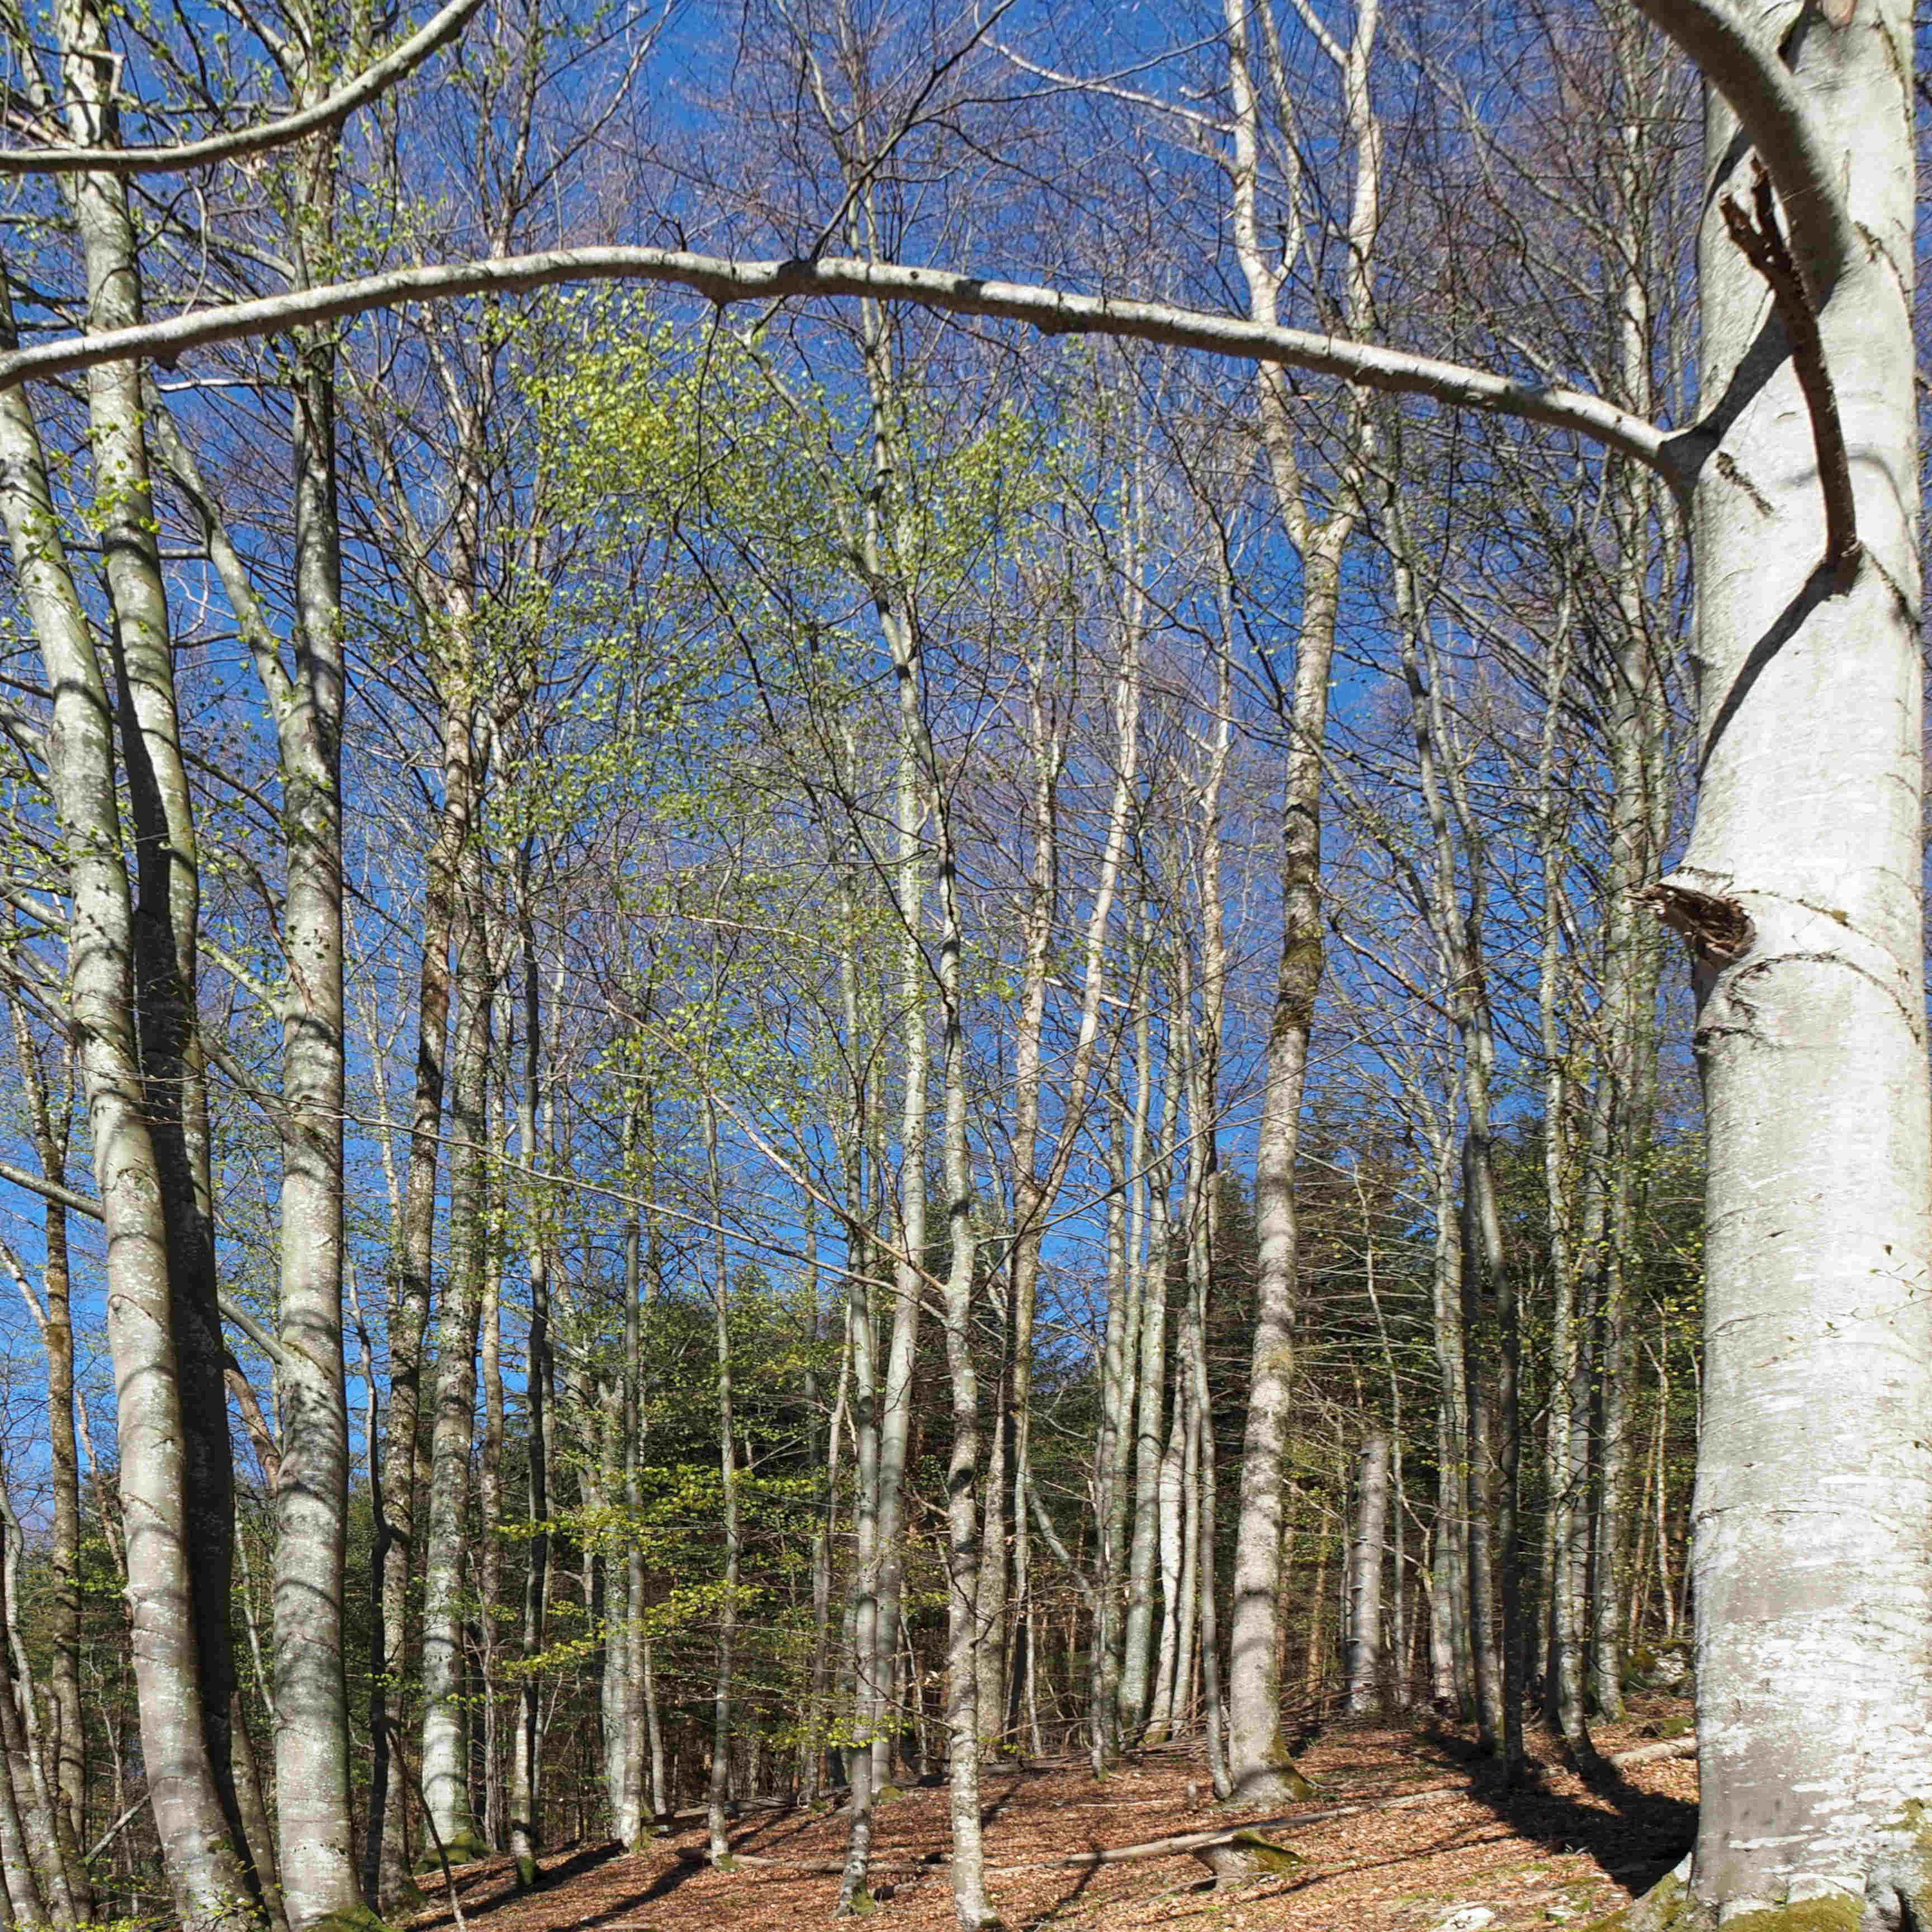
(719, 1789)
(1169, 1505)
(208, 1879)
(1813, 1575)
(445, 1764)
(1363, 1679)
(1259, 1764)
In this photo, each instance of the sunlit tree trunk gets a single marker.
(1801, 890)
(1566, 1458)
(1170, 1505)
(317, 1859)
(411, 1266)
(1259, 1763)
(1139, 1690)
(526, 1769)
(962, 1471)
(167, 887)
(727, 1455)
(19, 1723)
(1363, 1686)
(624, 1563)
(446, 1761)
(209, 1881)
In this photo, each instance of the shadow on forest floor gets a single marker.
(1636, 1836)
(1409, 1823)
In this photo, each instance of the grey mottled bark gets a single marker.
(316, 1856)
(1146, 1381)
(446, 1767)
(725, 1687)
(963, 1721)
(525, 1832)
(1364, 1673)
(1258, 1758)
(208, 1881)
(1801, 889)
(166, 910)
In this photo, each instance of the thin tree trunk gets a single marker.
(962, 1472)
(1259, 1764)
(863, 1608)
(1170, 1504)
(525, 1769)
(1364, 1670)
(989, 1645)
(256, 1822)
(1566, 1474)
(17, 1863)
(1398, 1679)
(70, 1766)
(661, 1792)
(445, 1758)
(728, 1613)
(823, 1452)
(1036, 1191)
(1486, 1659)
(1667, 1599)
(624, 1568)
(1208, 1580)
(1103, 1673)
(38, 1885)
(1630, 966)
(1454, 1505)
(1139, 1716)
(414, 1259)
(490, 1519)
(1444, 1651)
(1314, 1674)
(912, 804)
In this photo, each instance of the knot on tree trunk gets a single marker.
(1718, 930)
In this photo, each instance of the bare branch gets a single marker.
(394, 66)
(253, 1329)
(1052, 311)
(85, 1204)
(1762, 243)
(1323, 39)
(1745, 67)
(50, 1190)
(1134, 96)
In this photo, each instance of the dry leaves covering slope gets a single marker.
(1555, 1853)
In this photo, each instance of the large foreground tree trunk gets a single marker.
(208, 1881)
(318, 1880)
(1801, 893)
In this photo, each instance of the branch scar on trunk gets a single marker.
(1717, 930)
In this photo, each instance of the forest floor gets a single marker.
(1468, 1855)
